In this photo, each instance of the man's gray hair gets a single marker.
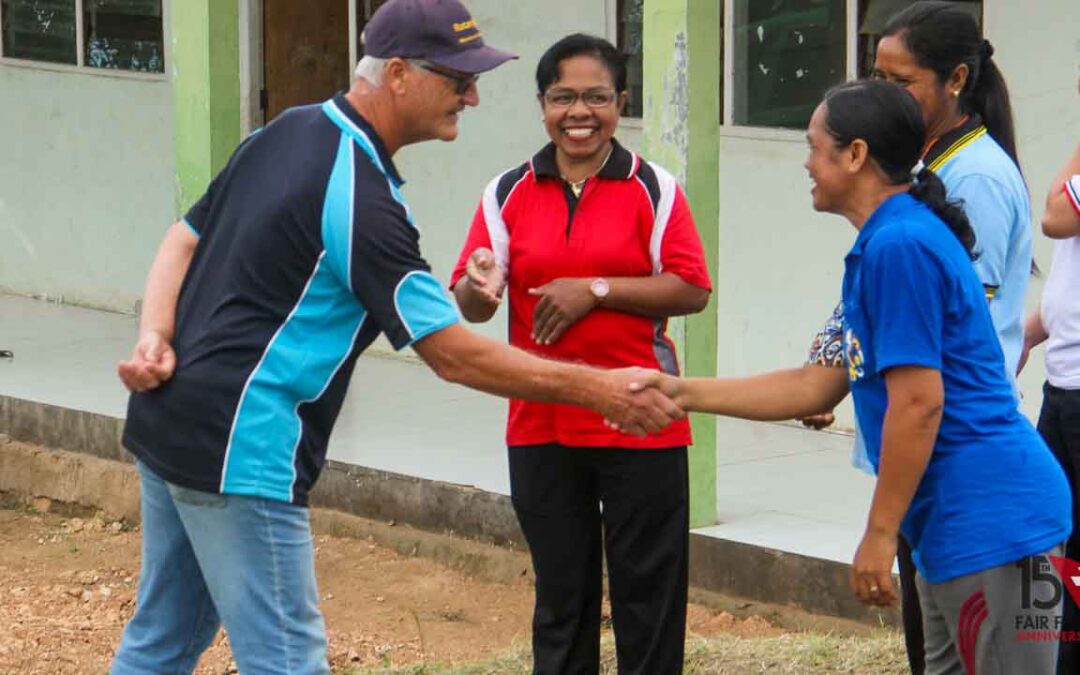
(370, 69)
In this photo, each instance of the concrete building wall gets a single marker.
(86, 183)
(444, 181)
(780, 263)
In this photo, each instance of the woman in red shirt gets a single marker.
(596, 248)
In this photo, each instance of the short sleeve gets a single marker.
(903, 295)
(991, 215)
(681, 252)
(827, 348)
(197, 217)
(477, 237)
(1072, 191)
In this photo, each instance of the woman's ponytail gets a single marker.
(929, 190)
(989, 97)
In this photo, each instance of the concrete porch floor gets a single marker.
(778, 486)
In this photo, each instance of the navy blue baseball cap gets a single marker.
(440, 31)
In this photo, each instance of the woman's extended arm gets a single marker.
(779, 395)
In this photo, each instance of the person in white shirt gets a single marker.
(1057, 323)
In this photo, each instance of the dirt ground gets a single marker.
(67, 585)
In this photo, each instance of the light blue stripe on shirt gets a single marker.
(301, 359)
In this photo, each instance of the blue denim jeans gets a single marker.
(209, 560)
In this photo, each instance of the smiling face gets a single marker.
(895, 63)
(581, 131)
(824, 163)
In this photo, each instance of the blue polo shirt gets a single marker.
(992, 492)
(306, 252)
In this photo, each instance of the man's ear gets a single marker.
(396, 73)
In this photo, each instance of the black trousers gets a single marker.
(1059, 425)
(911, 610)
(574, 505)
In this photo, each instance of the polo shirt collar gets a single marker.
(345, 116)
(879, 219)
(621, 164)
(952, 139)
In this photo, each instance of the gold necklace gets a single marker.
(577, 187)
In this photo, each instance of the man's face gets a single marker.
(435, 97)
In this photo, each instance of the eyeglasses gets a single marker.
(462, 81)
(593, 98)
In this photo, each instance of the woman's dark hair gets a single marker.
(887, 118)
(943, 35)
(580, 44)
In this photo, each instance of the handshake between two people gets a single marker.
(641, 401)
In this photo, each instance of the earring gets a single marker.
(956, 94)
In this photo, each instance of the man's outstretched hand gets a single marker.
(152, 363)
(636, 404)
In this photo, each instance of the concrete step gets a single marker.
(758, 573)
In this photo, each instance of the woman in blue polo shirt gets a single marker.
(935, 51)
(961, 472)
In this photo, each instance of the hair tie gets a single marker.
(987, 50)
(916, 171)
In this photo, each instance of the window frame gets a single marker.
(357, 9)
(851, 57)
(727, 126)
(611, 30)
(80, 66)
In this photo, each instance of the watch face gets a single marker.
(599, 288)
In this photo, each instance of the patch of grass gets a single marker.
(9, 501)
(881, 653)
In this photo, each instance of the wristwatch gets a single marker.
(599, 288)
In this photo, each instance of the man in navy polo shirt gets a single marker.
(257, 305)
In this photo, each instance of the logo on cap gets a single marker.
(462, 26)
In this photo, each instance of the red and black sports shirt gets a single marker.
(632, 219)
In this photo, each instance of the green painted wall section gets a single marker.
(681, 123)
(206, 88)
